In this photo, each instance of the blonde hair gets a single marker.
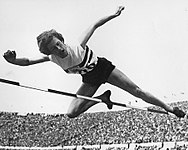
(44, 39)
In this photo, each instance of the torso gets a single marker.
(78, 60)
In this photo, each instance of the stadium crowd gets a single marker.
(120, 127)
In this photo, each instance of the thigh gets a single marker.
(119, 79)
(85, 90)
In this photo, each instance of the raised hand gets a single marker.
(10, 56)
(119, 10)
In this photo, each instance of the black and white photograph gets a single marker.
(94, 74)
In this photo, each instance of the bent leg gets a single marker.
(79, 106)
(119, 79)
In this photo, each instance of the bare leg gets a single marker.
(79, 106)
(120, 80)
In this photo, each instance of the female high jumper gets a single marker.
(95, 71)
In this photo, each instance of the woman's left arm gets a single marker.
(89, 32)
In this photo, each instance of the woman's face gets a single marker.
(56, 47)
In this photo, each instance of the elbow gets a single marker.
(24, 65)
(25, 62)
(19, 62)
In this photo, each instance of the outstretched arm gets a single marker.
(89, 32)
(10, 56)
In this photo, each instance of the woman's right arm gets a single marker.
(89, 32)
(10, 57)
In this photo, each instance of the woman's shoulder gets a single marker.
(76, 46)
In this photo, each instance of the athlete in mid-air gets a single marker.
(80, 59)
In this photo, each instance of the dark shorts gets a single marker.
(99, 75)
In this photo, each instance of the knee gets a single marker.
(71, 115)
(73, 111)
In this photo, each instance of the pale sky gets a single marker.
(148, 42)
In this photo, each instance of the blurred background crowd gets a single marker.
(120, 127)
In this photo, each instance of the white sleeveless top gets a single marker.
(78, 60)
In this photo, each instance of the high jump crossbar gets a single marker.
(80, 96)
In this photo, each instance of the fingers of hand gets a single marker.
(9, 54)
(121, 8)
